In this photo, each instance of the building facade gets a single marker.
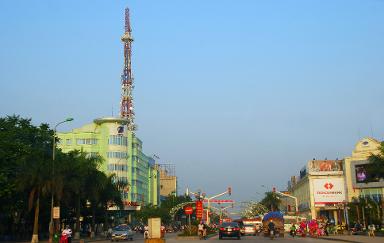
(324, 187)
(320, 190)
(122, 155)
(358, 180)
(168, 180)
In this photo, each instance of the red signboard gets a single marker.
(188, 210)
(199, 209)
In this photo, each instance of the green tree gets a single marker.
(111, 196)
(271, 201)
(377, 163)
(26, 181)
(83, 168)
(254, 209)
(25, 158)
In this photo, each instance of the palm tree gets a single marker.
(377, 163)
(34, 172)
(82, 170)
(271, 200)
(111, 195)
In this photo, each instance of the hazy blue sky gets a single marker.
(238, 93)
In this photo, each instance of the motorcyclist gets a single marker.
(271, 227)
(293, 230)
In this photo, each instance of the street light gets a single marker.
(51, 225)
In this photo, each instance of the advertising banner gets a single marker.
(325, 167)
(329, 191)
(365, 175)
(199, 209)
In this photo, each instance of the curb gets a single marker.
(193, 237)
(338, 239)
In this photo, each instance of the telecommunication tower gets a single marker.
(126, 108)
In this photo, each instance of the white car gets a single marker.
(249, 229)
(122, 232)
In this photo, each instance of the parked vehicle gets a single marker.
(122, 232)
(231, 229)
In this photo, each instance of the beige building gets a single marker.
(320, 190)
(359, 181)
(325, 186)
(168, 180)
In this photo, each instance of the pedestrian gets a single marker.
(205, 228)
(146, 232)
(68, 232)
(371, 232)
(162, 229)
(200, 229)
(89, 231)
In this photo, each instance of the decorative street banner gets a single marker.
(199, 209)
(219, 201)
(329, 191)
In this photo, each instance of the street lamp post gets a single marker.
(229, 191)
(52, 229)
(290, 196)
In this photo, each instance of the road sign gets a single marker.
(56, 212)
(188, 210)
(199, 209)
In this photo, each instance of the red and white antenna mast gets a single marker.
(126, 109)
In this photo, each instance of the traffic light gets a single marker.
(229, 190)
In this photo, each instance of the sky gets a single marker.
(234, 93)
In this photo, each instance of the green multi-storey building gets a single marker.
(122, 155)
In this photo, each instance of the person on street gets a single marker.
(205, 228)
(371, 230)
(271, 226)
(200, 229)
(162, 229)
(146, 232)
(293, 230)
(66, 235)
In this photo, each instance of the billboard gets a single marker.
(329, 191)
(365, 177)
(322, 167)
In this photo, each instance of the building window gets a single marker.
(117, 167)
(69, 141)
(118, 140)
(119, 155)
(87, 141)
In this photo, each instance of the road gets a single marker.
(171, 238)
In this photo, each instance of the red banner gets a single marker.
(199, 209)
(219, 201)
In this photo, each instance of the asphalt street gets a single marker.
(171, 238)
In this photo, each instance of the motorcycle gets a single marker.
(271, 234)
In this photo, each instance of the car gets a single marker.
(249, 229)
(230, 229)
(122, 232)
